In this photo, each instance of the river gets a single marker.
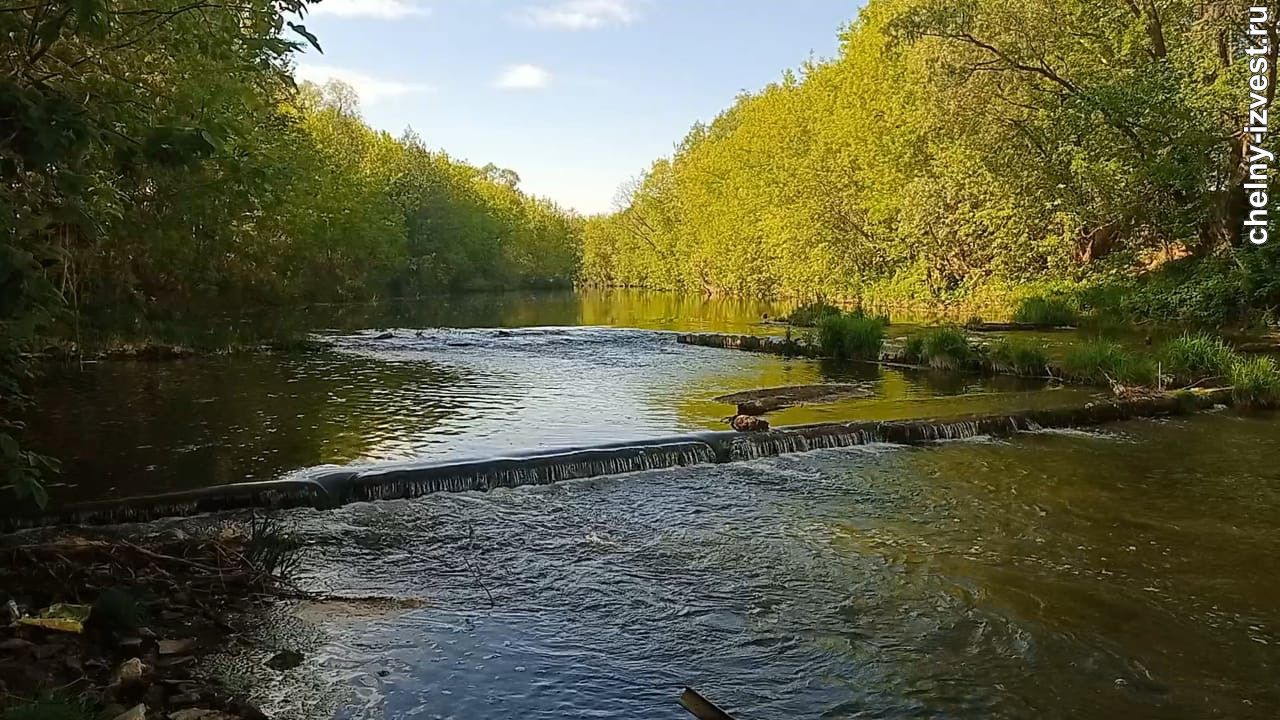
(1129, 571)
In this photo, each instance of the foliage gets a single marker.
(1206, 291)
(1255, 382)
(810, 314)
(1102, 362)
(959, 148)
(852, 336)
(52, 707)
(157, 153)
(1018, 356)
(946, 348)
(1196, 357)
(913, 350)
(1051, 311)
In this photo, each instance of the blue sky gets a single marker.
(574, 95)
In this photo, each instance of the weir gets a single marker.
(330, 486)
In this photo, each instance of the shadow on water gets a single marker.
(428, 392)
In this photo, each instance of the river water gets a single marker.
(1130, 571)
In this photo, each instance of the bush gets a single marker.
(1045, 311)
(852, 337)
(810, 314)
(1192, 358)
(1018, 357)
(1255, 382)
(1102, 362)
(53, 707)
(945, 348)
(914, 349)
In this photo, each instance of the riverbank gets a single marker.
(106, 624)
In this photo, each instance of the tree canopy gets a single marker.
(955, 146)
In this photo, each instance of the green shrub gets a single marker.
(811, 314)
(852, 337)
(914, 349)
(1102, 362)
(1255, 382)
(1045, 311)
(53, 707)
(1192, 358)
(1018, 357)
(946, 348)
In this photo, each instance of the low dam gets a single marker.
(327, 487)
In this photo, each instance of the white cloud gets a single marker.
(523, 77)
(581, 14)
(369, 88)
(381, 9)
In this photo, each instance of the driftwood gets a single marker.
(700, 707)
(1009, 326)
(764, 400)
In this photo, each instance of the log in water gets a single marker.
(327, 487)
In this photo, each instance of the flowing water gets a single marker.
(515, 373)
(1129, 571)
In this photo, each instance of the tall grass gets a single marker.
(1046, 311)
(1102, 362)
(52, 707)
(852, 336)
(944, 348)
(1196, 357)
(1018, 357)
(1255, 382)
(812, 313)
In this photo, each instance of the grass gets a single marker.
(1255, 382)
(1046, 311)
(53, 707)
(1101, 362)
(1193, 358)
(944, 348)
(1018, 357)
(813, 313)
(852, 336)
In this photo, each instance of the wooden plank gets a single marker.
(700, 707)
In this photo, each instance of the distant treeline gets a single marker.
(961, 149)
(158, 151)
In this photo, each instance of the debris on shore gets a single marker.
(112, 626)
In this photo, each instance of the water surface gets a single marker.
(467, 379)
(1130, 572)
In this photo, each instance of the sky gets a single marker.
(576, 96)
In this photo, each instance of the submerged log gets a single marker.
(700, 707)
(796, 394)
(1012, 326)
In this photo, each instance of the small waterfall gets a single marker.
(330, 486)
(483, 475)
(802, 439)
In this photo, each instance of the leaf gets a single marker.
(311, 38)
(212, 140)
(8, 446)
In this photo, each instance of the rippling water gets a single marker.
(1128, 572)
(126, 428)
(1058, 575)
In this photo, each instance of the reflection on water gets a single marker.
(1129, 573)
(127, 428)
